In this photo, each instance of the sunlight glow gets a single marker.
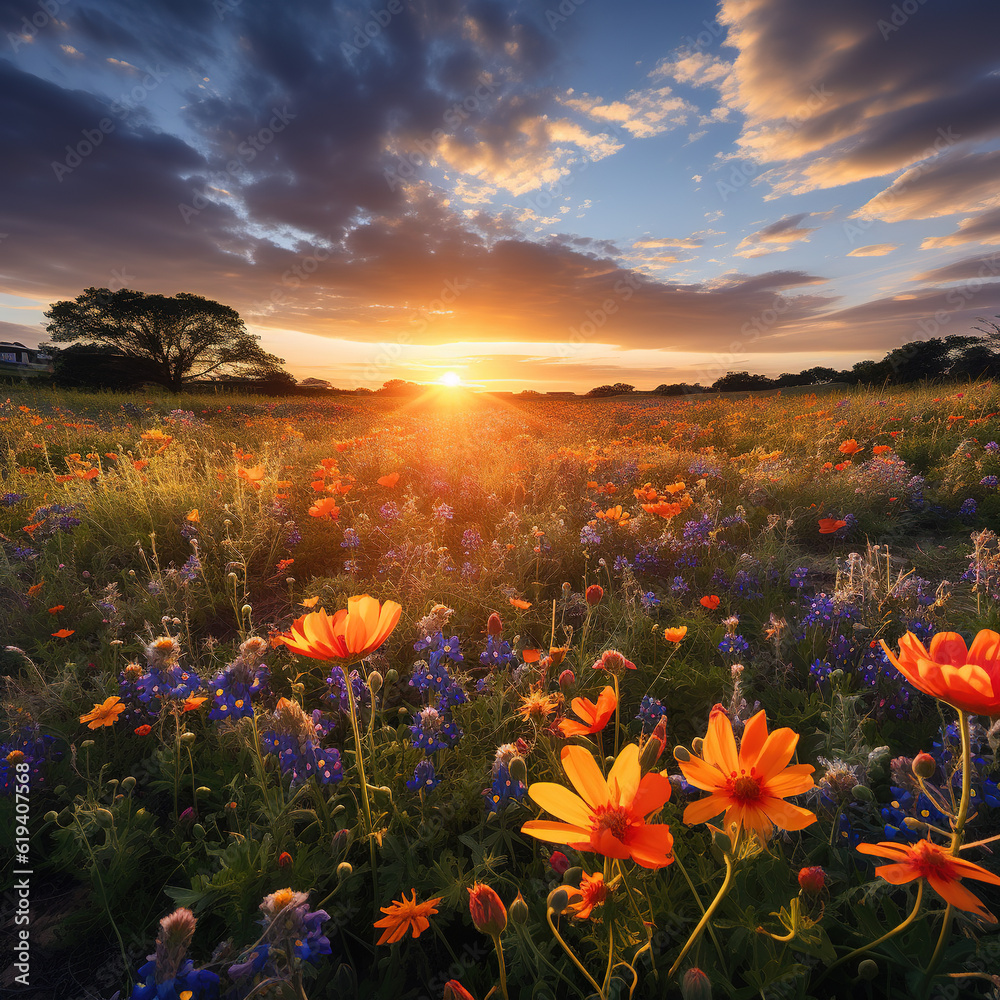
(451, 379)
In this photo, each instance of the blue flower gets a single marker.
(588, 536)
(651, 710)
(189, 983)
(503, 790)
(434, 729)
(424, 777)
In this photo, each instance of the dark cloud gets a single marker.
(982, 228)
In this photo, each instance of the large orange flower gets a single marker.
(347, 635)
(606, 816)
(943, 872)
(966, 678)
(595, 716)
(750, 787)
(105, 714)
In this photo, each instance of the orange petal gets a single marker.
(561, 802)
(624, 776)
(792, 781)
(776, 754)
(985, 650)
(556, 833)
(754, 738)
(786, 815)
(952, 891)
(652, 846)
(948, 647)
(705, 809)
(585, 776)
(653, 793)
(704, 776)
(720, 744)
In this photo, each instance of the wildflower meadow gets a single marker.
(469, 697)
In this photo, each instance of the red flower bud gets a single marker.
(284, 859)
(696, 985)
(567, 679)
(924, 765)
(559, 862)
(488, 913)
(812, 880)
(454, 990)
(594, 594)
(494, 626)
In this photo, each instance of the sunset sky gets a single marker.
(546, 195)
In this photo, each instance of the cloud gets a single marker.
(642, 113)
(944, 185)
(776, 236)
(842, 92)
(983, 228)
(973, 270)
(874, 250)
(683, 243)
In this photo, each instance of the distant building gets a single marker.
(15, 354)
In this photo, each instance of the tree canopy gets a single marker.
(169, 340)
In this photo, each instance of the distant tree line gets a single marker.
(954, 357)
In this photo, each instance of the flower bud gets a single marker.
(558, 900)
(199, 831)
(391, 676)
(573, 876)
(187, 817)
(696, 985)
(345, 983)
(494, 624)
(284, 859)
(128, 783)
(518, 911)
(517, 769)
(567, 589)
(681, 754)
(246, 610)
(698, 746)
(559, 862)
(344, 870)
(104, 817)
(924, 765)
(868, 970)
(594, 594)
(203, 790)
(812, 880)
(566, 680)
(51, 816)
(454, 990)
(487, 911)
(188, 738)
(862, 793)
(374, 682)
(650, 755)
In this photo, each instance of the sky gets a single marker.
(548, 195)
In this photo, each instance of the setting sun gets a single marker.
(451, 379)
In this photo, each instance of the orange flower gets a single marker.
(663, 508)
(710, 601)
(675, 633)
(144, 730)
(592, 892)
(347, 635)
(849, 447)
(516, 602)
(252, 476)
(193, 516)
(105, 714)
(828, 525)
(63, 633)
(35, 587)
(595, 716)
(389, 481)
(536, 706)
(606, 816)
(310, 602)
(405, 915)
(750, 788)
(323, 507)
(881, 449)
(967, 679)
(56, 609)
(673, 488)
(191, 703)
(942, 871)
(530, 655)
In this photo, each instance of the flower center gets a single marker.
(745, 788)
(615, 819)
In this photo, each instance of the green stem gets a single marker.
(696, 933)
(527, 939)
(569, 951)
(885, 937)
(957, 836)
(503, 967)
(359, 764)
(701, 906)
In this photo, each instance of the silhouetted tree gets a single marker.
(172, 340)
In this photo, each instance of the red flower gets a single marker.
(828, 525)
(812, 879)
(488, 913)
(709, 601)
(594, 594)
